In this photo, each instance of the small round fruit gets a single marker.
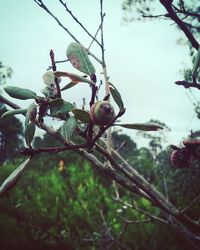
(102, 113)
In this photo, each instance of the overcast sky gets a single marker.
(143, 58)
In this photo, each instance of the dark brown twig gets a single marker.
(180, 23)
(187, 85)
(53, 64)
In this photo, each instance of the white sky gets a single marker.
(143, 59)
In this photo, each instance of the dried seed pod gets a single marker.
(191, 143)
(102, 113)
(180, 158)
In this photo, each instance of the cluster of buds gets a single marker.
(188, 156)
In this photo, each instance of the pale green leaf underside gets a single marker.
(78, 57)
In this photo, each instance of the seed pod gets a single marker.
(180, 158)
(102, 113)
(191, 143)
(194, 146)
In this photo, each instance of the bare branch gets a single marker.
(43, 6)
(187, 85)
(77, 21)
(180, 23)
(99, 28)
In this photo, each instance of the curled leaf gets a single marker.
(78, 56)
(68, 86)
(14, 112)
(20, 93)
(10, 182)
(75, 78)
(81, 115)
(140, 126)
(116, 96)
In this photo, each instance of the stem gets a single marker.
(109, 132)
(54, 69)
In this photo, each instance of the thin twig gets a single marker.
(43, 6)
(196, 199)
(99, 28)
(54, 69)
(77, 21)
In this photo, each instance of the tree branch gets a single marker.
(180, 23)
(187, 85)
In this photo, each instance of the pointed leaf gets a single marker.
(68, 128)
(59, 107)
(116, 96)
(140, 126)
(10, 182)
(69, 85)
(196, 64)
(78, 57)
(20, 93)
(81, 115)
(74, 77)
(29, 132)
(14, 112)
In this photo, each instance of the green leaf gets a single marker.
(69, 85)
(47, 91)
(81, 115)
(10, 182)
(59, 107)
(196, 64)
(68, 128)
(29, 132)
(116, 96)
(20, 93)
(14, 112)
(78, 57)
(140, 126)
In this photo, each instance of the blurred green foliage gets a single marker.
(62, 203)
